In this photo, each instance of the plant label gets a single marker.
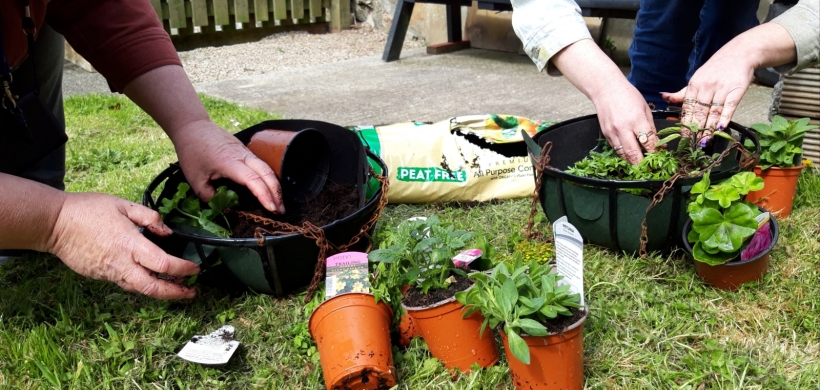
(347, 272)
(464, 258)
(213, 349)
(569, 255)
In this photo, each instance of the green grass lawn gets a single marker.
(653, 324)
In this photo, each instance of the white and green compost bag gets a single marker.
(459, 159)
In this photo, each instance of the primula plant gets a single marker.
(521, 298)
(722, 222)
(418, 253)
(186, 210)
(781, 142)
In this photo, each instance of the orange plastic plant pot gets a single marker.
(456, 341)
(352, 333)
(556, 360)
(407, 326)
(731, 275)
(300, 159)
(779, 187)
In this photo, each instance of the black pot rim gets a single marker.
(745, 132)
(775, 232)
(253, 242)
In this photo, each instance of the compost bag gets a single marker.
(466, 158)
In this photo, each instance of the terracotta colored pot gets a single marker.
(556, 360)
(731, 275)
(454, 340)
(777, 195)
(352, 333)
(300, 159)
(407, 326)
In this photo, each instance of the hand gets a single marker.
(96, 235)
(626, 121)
(206, 152)
(714, 92)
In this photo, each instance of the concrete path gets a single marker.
(426, 88)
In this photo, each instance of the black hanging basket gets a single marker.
(606, 216)
(281, 264)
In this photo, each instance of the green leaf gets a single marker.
(746, 182)
(224, 199)
(724, 194)
(703, 185)
(518, 346)
(712, 259)
(169, 205)
(532, 327)
(668, 131)
(506, 296)
(763, 129)
(190, 205)
(778, 145)
(667, 140)
(725, 232)
(723, 135)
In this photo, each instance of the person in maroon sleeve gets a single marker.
(126, 43)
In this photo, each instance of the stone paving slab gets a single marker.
(426, 88)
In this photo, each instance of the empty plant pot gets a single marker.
(556, 360)
(455, 341)
(604, 215)
(300, 159)
(779, 187)
(352, 334)
(731, 275)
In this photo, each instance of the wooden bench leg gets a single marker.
(454, 39)
(401, 20)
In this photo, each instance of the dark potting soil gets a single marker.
(414, 297)
(335, 202)
(561, 323)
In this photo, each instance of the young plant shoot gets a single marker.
(521, 298)
(188, 211)
(781, 142)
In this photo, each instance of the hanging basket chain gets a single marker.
(311, 231)
(541, 164)
(747, 159)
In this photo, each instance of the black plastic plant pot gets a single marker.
(732, 274)
(280, 264)
(603, 214)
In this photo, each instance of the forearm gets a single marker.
(589, 69)
(28, 213)
(763, 46)
(167, 95)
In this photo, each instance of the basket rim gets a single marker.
(253, 242)
(746, 133)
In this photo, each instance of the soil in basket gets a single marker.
(414, 297)
(335, 202)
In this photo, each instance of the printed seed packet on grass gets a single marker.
(347, 272)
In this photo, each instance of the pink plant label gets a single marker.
(347, 258)
(466, 257)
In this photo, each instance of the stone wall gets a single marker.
(428, 23)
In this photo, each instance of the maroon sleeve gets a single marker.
(122, 38)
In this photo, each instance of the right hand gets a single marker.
(625, 117)
(96, 235)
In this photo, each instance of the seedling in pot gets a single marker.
(781, 142)
(722, 222)
(418, 253)
(521, 299)
(186, 210)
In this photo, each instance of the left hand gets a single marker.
(714, 92)
(206, 152)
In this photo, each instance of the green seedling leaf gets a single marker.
(667, 140)
(532, 327)
(723, 135)
(518, 346)
(725, 232)
(224, 199)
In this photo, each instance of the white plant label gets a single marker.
(213, 349)
(569, 255)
